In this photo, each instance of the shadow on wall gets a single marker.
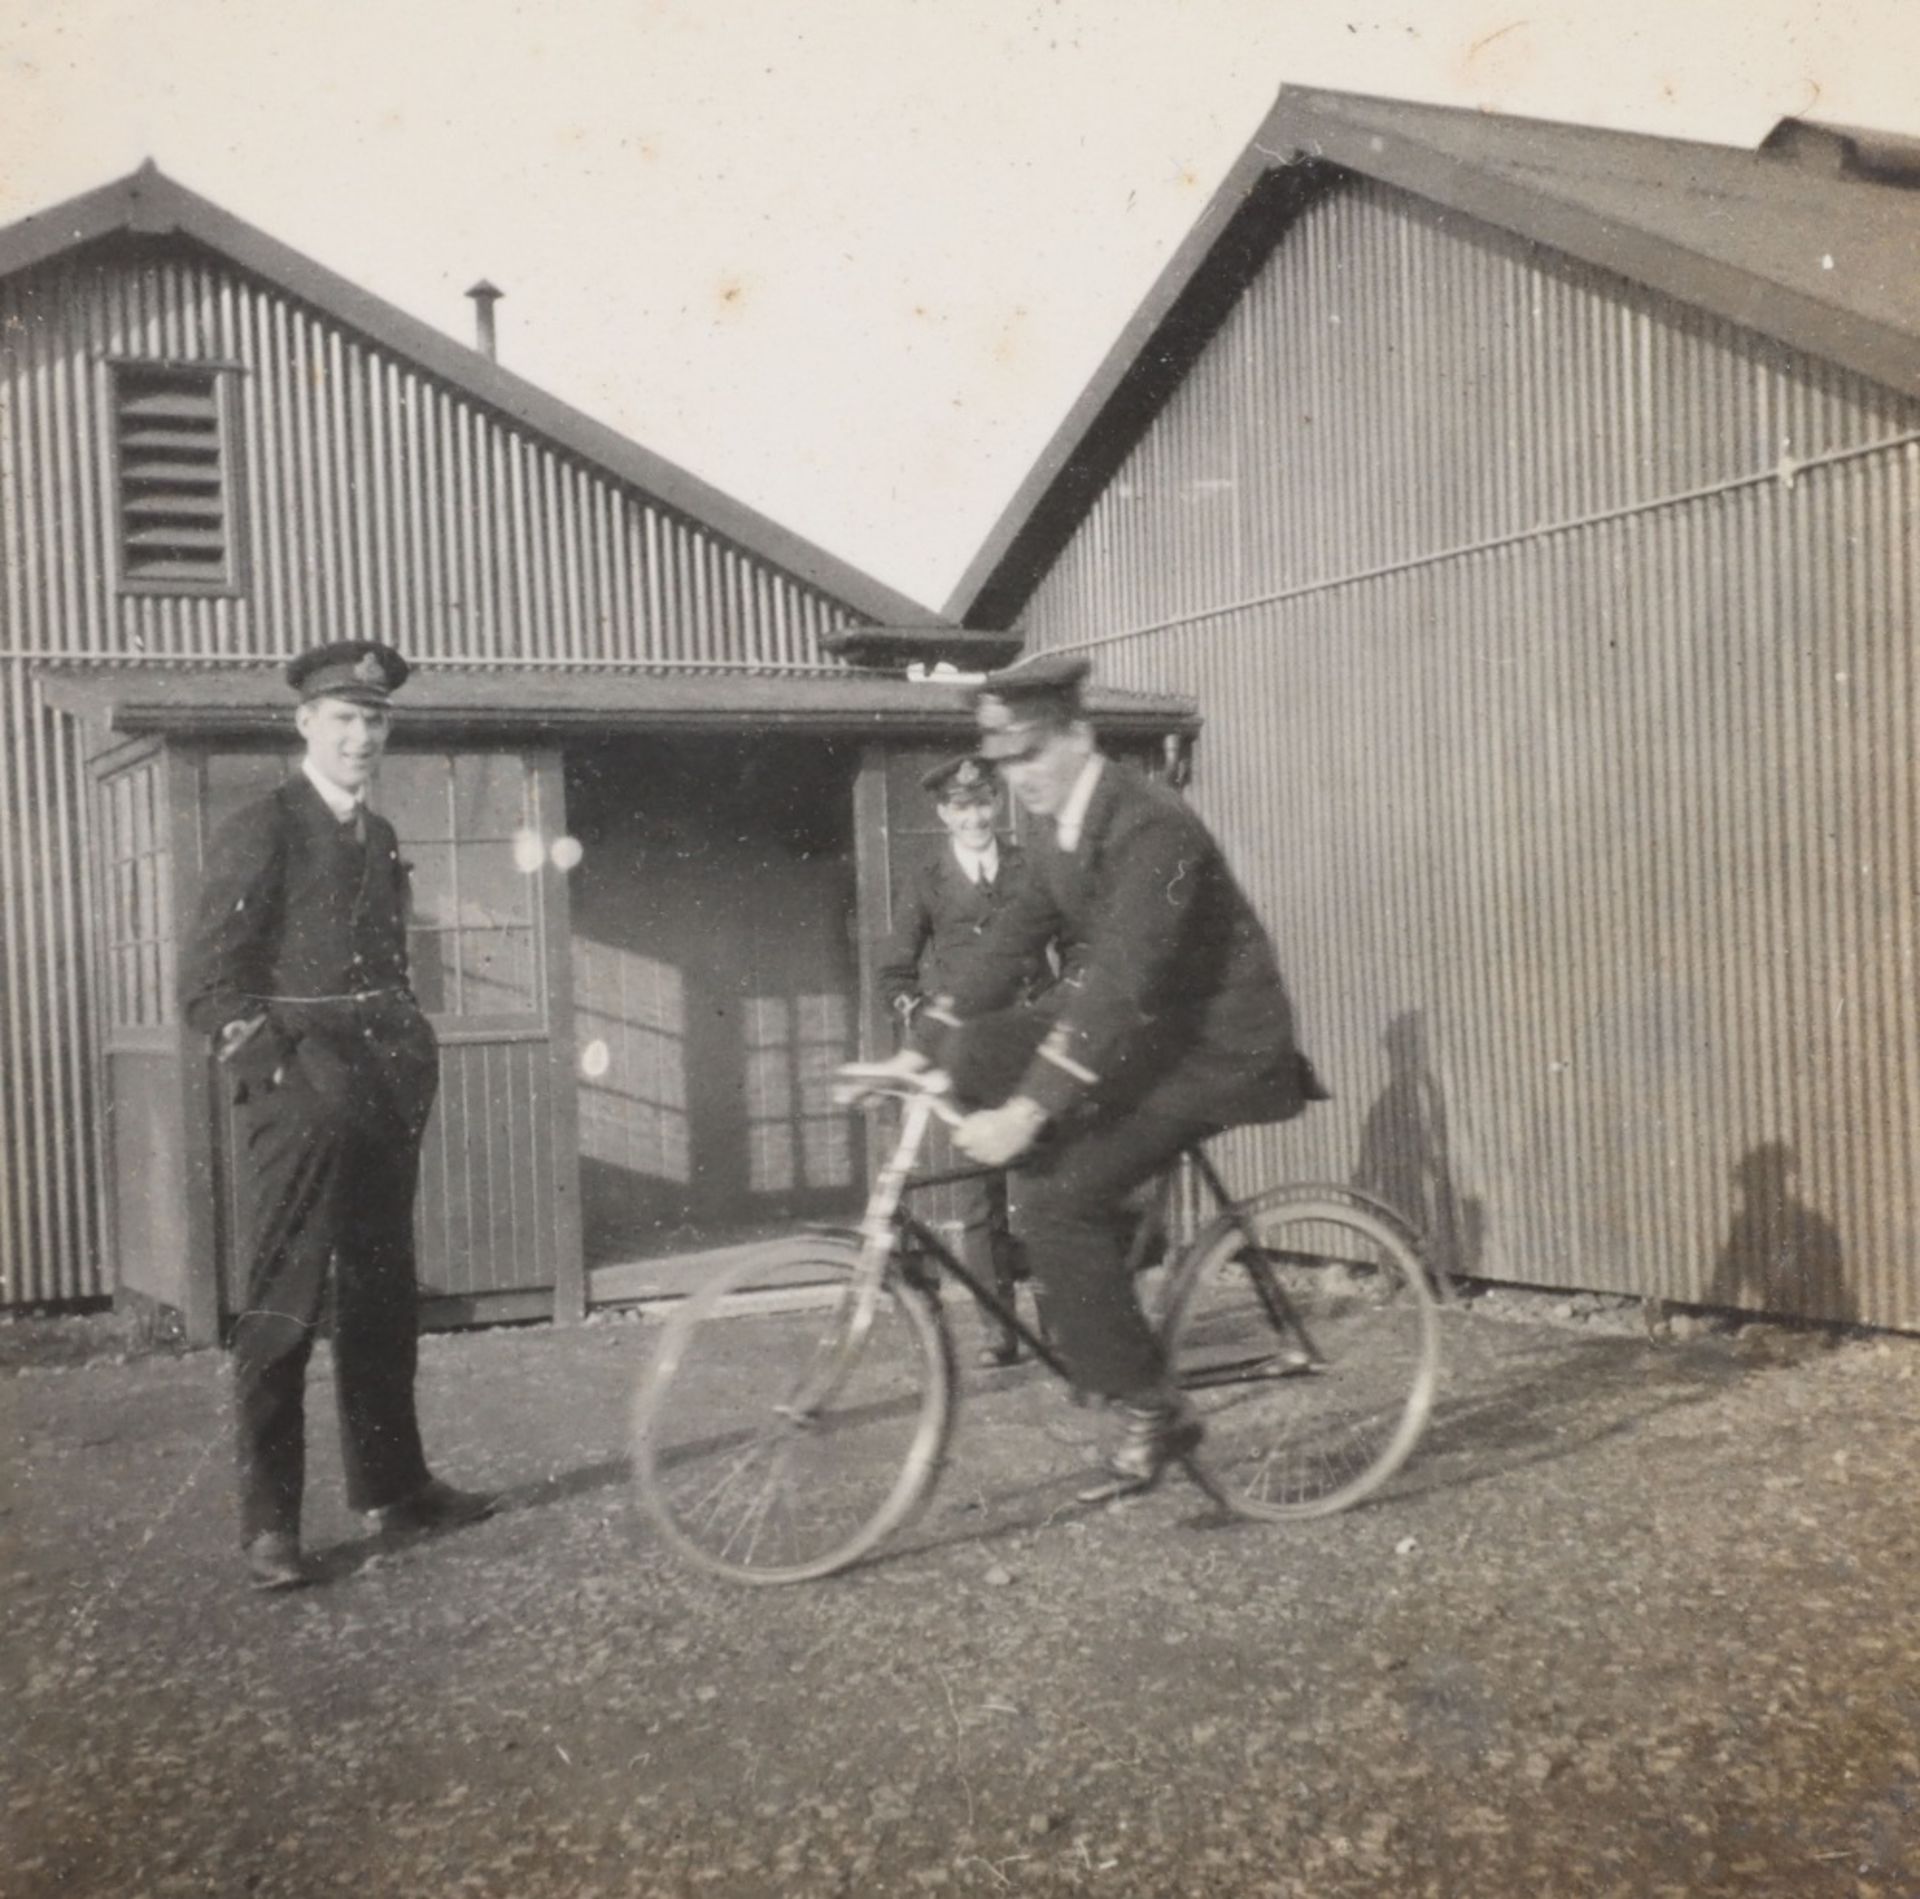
(1780, 1256)
(1405, 1158)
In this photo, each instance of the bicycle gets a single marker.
(1300, 1322)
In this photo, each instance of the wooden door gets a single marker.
(162, 1230)
(497, 1226)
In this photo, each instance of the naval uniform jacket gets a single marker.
(941, 917)
(300, 911)
(1174, 1002)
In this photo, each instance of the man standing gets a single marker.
(297, 966)
(1172, 1025)
(947, 905)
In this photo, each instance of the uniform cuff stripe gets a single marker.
(1060, 1059)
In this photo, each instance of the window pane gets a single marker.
(412, 794)
(142, 839)
(152, 1004)
(769, 1085)
(126, 904)
(818, 1066)
(826, 1019)
(163, 913)
(769, 1157)
(493, 889)
(496, 972)
(146, 899)
(432, 874)
(659, 1068)
(123, 987)
(828, 1148)
(766, 1021)
(489, 794)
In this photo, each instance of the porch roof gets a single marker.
(533, 701)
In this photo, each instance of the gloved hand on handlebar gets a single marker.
(995, 1136)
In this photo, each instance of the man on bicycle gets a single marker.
(1172, 1024)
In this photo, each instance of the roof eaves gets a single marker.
(126, 698)
(148, 203)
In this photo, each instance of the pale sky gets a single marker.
(849, 260)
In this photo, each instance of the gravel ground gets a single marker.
(1638, 1619)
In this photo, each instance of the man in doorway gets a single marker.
(947, 905)
(1172, 1025)
(297, 968)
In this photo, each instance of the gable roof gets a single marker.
(147, 203)
(1813, 240)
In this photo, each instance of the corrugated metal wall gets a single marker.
(1556, 646)
(376, 501)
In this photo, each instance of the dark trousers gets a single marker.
(987, 1246)
(332, 1153)
(1074, 1218)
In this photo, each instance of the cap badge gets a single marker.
(993, 713)
(967, 773)
(369, 671)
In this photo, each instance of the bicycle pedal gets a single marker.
(1115, 1489)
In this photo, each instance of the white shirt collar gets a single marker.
(1073, 814)
(342, 803)
(977, 864)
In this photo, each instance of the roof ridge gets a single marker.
(150, 202)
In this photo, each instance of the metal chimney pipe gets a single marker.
(485, 296)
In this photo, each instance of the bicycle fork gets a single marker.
(862, 1300)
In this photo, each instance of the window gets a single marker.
(630, 1014)
(174, 479)
(461, 818)
(139, 911)
(794, 1131)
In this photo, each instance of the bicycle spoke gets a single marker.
(1306, 1336)
(810, 1481)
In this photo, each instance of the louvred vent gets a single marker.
(174, 516)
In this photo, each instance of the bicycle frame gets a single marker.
(887, 1230)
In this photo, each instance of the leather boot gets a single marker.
(274, 1561)
(1154, 1433)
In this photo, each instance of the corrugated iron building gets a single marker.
(1532, 511)
(651, 810)
(211, 449)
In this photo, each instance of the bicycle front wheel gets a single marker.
(779, 1436)
(1305, 1333)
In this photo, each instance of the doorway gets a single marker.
(716, 988)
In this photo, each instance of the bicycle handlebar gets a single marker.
(856, 1084)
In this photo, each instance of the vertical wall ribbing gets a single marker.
(1559, 719)
(374, 500)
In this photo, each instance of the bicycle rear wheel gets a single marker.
(779, 1437)
(1304, 1331)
